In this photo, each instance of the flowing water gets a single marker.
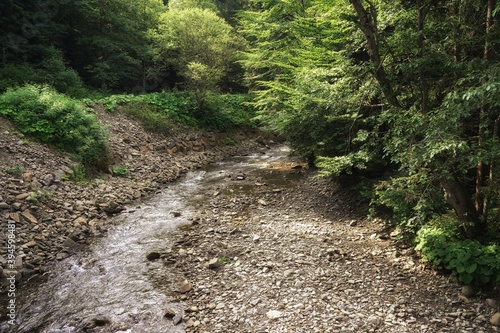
(112, 279)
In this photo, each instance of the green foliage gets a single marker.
(53, 118)
(120, 171)
(468, 260)
(159, 112)
(15, 171)
(162, 112)
(51, 70)
(199, 46)
(413, 200)
(152, 118)
(227, 112)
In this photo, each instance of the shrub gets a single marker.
(225, 112)
(53, 118)
(469, 261)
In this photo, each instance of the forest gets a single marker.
(398, 98)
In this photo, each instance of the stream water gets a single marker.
(112, 279)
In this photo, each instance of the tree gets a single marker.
(108, 41)
(198, 45)
(431, 130)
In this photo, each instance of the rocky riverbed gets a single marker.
(274, 251)
(302, 257)
(54, 215)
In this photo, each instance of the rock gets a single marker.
(185, 286)
(469, 291)
(71, 245)
(97, 321)
(29, 244)
(495, 304)
(274, 314)
(62, 255)
(152, 255)
(169, 313)
(80, 220)
(27, 215)
(113, 208)
(47, 180)
(4, 205)
(495, 320)
(176, 214)
(214, 263)
(15, 216)
(177, 319)
(17, 205)
(22, 196)
(262, 202)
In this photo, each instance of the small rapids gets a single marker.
(111, 282)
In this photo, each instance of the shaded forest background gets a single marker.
(400, 98)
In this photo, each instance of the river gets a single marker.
(111, 282)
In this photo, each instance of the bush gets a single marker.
(161, 111)
(53, 118)
(226, 112)
(469, 261)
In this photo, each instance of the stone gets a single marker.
(214, 263)
(15, 216)
(177, 319)
(185, 286)
(274, 314)
(22, 196)
(495, 304)
(4, 205)
(71, 245)
(29, 244)
(80, 220)
(17, 205)
(495, 320)
(152, 255)
(469, 291)
(26, 214)
(47, 180)
(169, 313)
(176, 213)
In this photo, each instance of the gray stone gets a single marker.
(169, 313)
(214, 263)
(4, 205)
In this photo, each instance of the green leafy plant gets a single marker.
(55, 119)
(469, 261)
(120, 171)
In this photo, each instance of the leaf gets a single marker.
(472, 268)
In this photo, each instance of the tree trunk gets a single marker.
(481, 201)
(369, 28)
(457, 196)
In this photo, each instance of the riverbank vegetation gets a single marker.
(400, 96)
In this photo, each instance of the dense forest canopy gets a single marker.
(401, 95)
